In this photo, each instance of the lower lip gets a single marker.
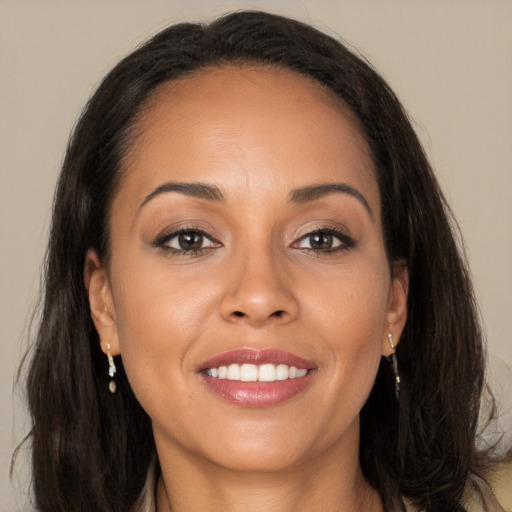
(257, 394)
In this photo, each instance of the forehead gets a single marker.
(247, 120)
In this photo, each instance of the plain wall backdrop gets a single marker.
(449, 62)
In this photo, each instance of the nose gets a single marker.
(259, 292)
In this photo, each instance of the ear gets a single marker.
(396, 315)
(101, 303)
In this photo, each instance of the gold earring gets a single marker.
(394, 365)
(111, 371)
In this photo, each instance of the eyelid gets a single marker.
(207, 241)
(163, 239)
(346, 240)
(334, 247)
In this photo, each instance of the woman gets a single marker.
(254, 298)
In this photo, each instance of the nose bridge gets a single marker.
(259, 289)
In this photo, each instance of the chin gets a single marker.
(267, 448)
(268, 459)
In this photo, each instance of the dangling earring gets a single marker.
(394, 365)
(111, 371)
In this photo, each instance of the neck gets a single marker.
(256, 494)
(331, 482)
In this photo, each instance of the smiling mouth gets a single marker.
(256, 373)
(254, 378)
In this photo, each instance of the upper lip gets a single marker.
(258, 357)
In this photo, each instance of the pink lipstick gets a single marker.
(257, 378)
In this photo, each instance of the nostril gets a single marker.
(278, 314)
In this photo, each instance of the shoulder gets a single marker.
(492, 494)
(147, 501)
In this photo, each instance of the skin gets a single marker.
(257, 134)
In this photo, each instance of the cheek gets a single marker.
(354, 307)
(155, 304)
(157, 320)
(354, 322)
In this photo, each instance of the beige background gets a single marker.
(449, 62)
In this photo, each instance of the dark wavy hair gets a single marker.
(92, 450)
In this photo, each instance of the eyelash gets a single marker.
(347, 242)
(161, 242)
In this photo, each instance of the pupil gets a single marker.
(190, 240)
(321, 241)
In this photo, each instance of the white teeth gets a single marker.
(282, 372)
(233, 372)
(267, 373)
(249, 373)
(255, 373)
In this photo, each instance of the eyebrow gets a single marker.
(199, 190)
(300, 195)
(307, 194)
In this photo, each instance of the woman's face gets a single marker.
(246, 241)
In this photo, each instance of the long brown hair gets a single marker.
(92, 450)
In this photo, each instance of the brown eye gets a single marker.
(327, 241)
(321, 241)
(186, 241)
(190, 241)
